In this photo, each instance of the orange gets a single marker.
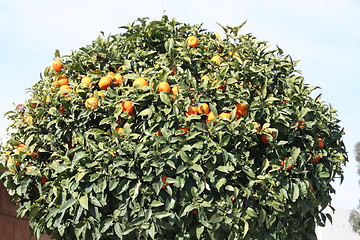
(28, 120)
(62, 110)
(241, 109)
(21, 147)
(317, 158)
(203, 109)
(117, 78)
(128, 107)
(192, 110)
(62, 80)
(120, 130)
(86, 81)
(264, 138)
(158, 133)
(217, 59)
(43, 179)
(184, 129)
(192, 41)
(57, 65)
(225, 115)
(321, 143)
(65, 89)
(300, 123)
(140, 82)
(91, 103)
(210, 116)
(204, 77)
(100, 94)
(175, 91)
(164, 87)
(105, 83)
(283, 163)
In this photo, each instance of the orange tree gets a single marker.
(230, 145)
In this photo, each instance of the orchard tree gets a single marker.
(168, 131)
(354, 218)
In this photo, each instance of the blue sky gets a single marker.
(323, 34)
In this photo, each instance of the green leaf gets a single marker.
(160, 215)
(199, 231)
(145, 112)
(84, 202)
(165, 98)
(156, 203)
(197, 168)
(67, 205)
(187, 209)
(220, 183)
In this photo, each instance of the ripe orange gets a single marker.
(100, 94)
(300, 123)
(21, 147)
(62, 80)
(203, 109)
(86, 81)
(164, 87)
(210, 116)
(184, 129)
(317, 158)
(62, 110)
(241, 109)
(91, 103)
(65, 89)
(283, 163)
(128, 107)
(43, 180)
(204, 77)
(192, 41)
(224, 115)
(192, 110)
(321, 143)
(28, 120)
(140, 82)
(264, 138)
(117, 78)
(57, 65)
(105, 83)
(217, 59)
(119, 130)
(175, 91)
(158, 133)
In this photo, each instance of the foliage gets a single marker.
(354, 217)
(158, 172)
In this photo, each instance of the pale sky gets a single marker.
(323, 34)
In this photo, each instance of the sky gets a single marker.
(323, 34)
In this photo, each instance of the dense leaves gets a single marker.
(160, 167)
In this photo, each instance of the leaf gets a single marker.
(197, 168)
(151, 231)
(118, 230)
(160, 215)
(67, 205)
(84, 202)
(156, 203)
(187, 209)
(246, 228)
(199, 230)
(295, 151)
(220, 183)
(165, 98)
(145, 112)
(294, 191)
